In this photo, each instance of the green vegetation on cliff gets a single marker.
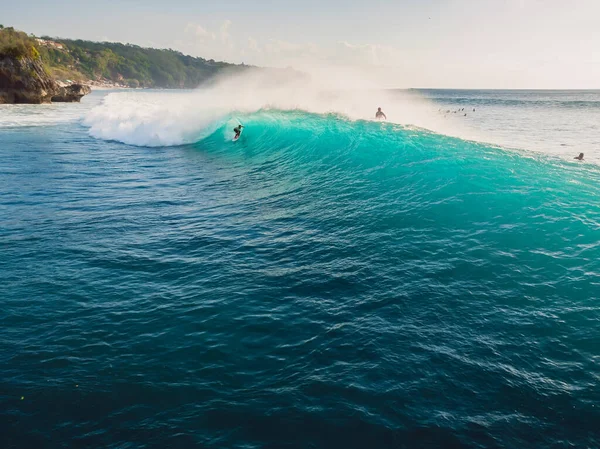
(126, 64)
(16, 44)
(131, 65)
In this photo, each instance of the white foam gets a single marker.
(33, 115)
(26, 115)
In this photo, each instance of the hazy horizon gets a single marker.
(460, 44)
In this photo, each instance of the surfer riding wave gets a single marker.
(238, 131)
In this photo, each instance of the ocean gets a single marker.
(327, 281)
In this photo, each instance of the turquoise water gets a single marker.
(323, 283)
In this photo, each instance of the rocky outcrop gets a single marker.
(71, 94)
(25, 80)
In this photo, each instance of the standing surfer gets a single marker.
(237, 130)
(379, 115)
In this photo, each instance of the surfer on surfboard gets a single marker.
(237, 130)
(379, 115)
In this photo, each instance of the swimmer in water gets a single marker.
(379, 115)
(580, 157)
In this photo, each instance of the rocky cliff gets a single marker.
(25, 80)
(71, 94)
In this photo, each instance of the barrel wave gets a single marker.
(322, 282)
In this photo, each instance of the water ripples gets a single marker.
(321, 283)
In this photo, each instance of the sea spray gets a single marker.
(175, 118)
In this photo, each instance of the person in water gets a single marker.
(580, 157)
(238, 130)
(380, 115)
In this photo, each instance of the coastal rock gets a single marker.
(24, 80)
(72, 93)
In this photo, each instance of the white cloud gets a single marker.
(224, 31)
(253, 45)
(199, 32)
(201, 41)
(368, 54)
(224, 44)
(356, 54)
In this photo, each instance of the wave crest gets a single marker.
(175, 118)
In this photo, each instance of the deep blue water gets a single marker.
(322, 283)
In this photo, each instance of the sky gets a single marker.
(509, 44)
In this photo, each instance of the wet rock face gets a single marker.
(25, 80)
(71, 94)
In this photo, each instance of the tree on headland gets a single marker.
(126, 64)
(138, 66)
(16, 44)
